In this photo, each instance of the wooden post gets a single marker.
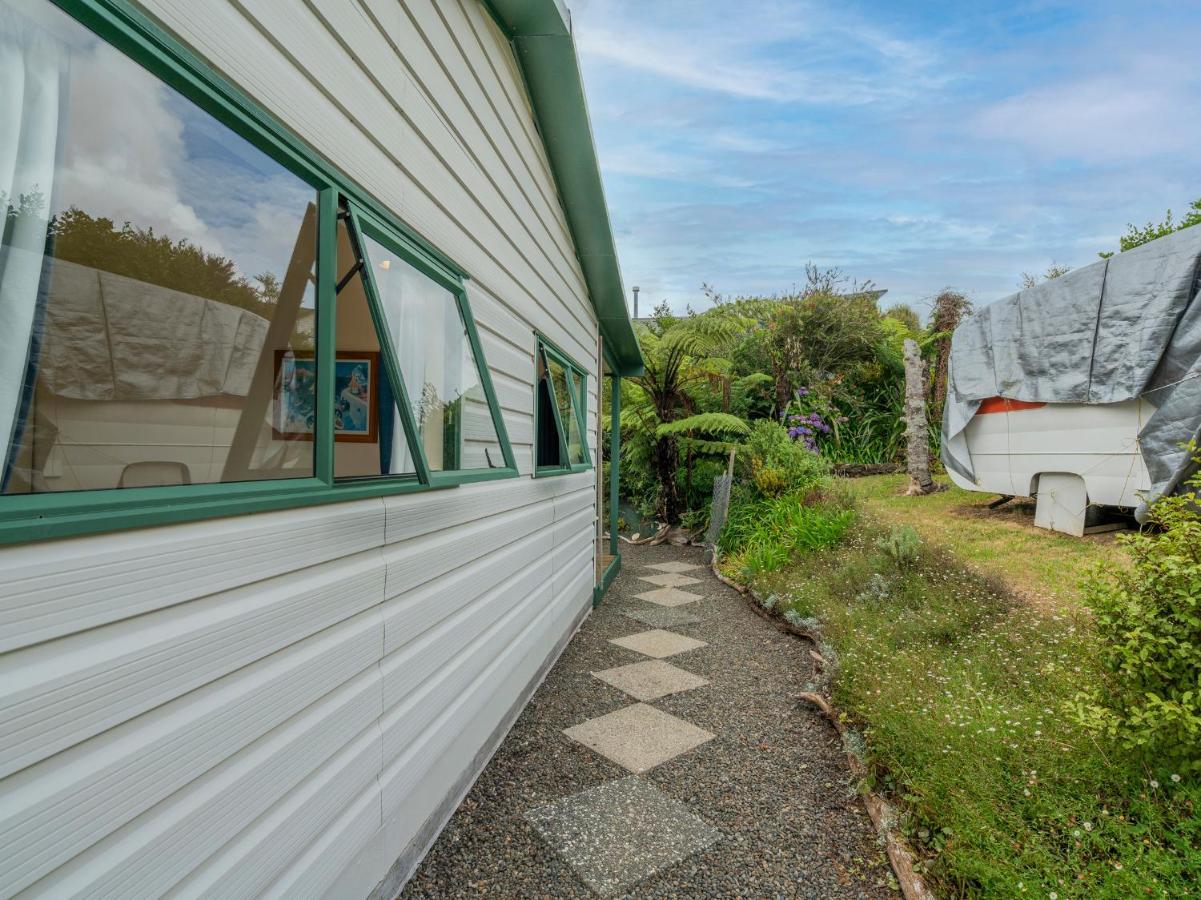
(920, 481)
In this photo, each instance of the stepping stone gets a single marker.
(668, 597)
(663, 617)
(673, 579)
(658, 643)
(621, 832)
(673, 566)
(638, 737)
(650, 679)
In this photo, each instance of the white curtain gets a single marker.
(32, 86)
(411, 336)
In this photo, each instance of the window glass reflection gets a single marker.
(157, 315)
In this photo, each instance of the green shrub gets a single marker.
(901, 545)
(764, 536)
(785, 466)
(770, 481)
(1149, 620)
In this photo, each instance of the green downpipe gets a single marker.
(614, 459)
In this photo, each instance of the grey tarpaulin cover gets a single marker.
(1121, 328)
(108, 337)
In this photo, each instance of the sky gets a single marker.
(155, 160)
(916, 145)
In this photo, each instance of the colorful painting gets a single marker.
(356, 401)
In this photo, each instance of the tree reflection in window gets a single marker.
(154, 267)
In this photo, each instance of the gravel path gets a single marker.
(771, 790)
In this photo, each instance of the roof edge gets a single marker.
(540, 32)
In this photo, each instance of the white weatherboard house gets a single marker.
(304, 307)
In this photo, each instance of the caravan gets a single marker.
(1084, 391)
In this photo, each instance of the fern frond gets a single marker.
(709, 423)
(716, 448)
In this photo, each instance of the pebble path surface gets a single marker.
(763, 807)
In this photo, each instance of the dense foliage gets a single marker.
(1136, 236)
(145, 255)
(1149, 620)
(782, 504)
(824, 361)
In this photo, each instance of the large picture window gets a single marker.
(194, 307)
(561, 402)
(153, 264)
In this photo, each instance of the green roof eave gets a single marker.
(545, 50)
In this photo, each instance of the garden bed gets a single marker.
(962, 693)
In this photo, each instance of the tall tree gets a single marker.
(818, 336)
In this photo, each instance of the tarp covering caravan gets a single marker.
(108, 337)
(1122, 328)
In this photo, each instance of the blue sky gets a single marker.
(919, 145)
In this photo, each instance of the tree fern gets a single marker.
(709, 423)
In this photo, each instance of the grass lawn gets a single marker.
(1044, 567)
(964, 692)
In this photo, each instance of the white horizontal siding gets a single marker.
(62, 806)
(55, 694)
(51, 589)
(275, 704)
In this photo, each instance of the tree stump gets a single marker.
(918, 459)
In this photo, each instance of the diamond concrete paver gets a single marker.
(671, 579)
(638, 737)
(673, 566)
(662, 617)
(658, 643)
(650, 679)
(668, 597)
(620, 832)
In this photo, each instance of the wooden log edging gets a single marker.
(880, 811)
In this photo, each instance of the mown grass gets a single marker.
(961, 689)
(1045, 567)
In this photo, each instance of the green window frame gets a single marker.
(365, 223)
(576, 380)
(34, 517)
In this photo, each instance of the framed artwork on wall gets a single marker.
(356, 396)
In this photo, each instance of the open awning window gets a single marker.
(560, 413)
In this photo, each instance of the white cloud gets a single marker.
(917, 151)
(127, 155)
(123, 147)
(1099, 119)
(683, 64)
(740, 55)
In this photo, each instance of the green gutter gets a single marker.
(542, 42)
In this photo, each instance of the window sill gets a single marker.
(72, 514)
(551, 471)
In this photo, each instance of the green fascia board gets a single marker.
(542, 42)
(526, 17)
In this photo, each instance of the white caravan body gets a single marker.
(1025, 449)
